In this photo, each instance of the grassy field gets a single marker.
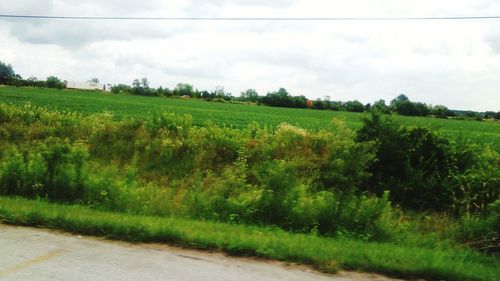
(325, 254)
(234, 115)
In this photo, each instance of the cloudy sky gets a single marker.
(455, 63)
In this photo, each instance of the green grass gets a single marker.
(323, 253)
(235, 115)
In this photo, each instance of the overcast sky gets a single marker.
(455, 63)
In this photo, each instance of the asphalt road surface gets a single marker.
(39, 255)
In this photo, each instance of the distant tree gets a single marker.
(421, 109)
(136, 86)
(492, 115)
(400, 98)
(7, 74)
(469, 114)
(120, 88)
(183, 89)
(354, 106)
(141, 87)
(441, 111)
(327, 102)
(167, 92)
(206, 95)
(337, 106)
(160, 91)
(145, 82)
(93, 81)
(299, 101)
(278, 98)
(219, 93)
(402, 105)
(319, 104)
(380, 106)
(54, 82)
(32, 81)
(283, 99)
(249, 95)
(488, 114)
(17, 80)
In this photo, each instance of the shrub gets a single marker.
(425, 171)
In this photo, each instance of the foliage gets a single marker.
(120, 88)
(310, 181)
(354, 106)
(289, 177)
(54, 82)
(141, 87)
(424, 170)
(184, 89)
(249, 95)
(282, 98)
(327, 182)
(7, 74)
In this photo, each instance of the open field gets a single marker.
(234, 115)
(326, 254)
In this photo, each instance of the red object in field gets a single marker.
(309, 103)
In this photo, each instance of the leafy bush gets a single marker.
(425, 171)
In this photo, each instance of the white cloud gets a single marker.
(439, 62)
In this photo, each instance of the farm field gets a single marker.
(232, 115)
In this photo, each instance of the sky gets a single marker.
(454, 63)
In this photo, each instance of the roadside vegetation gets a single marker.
(400, 189)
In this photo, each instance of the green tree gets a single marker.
(249, 95)
(141, 87)
(441, 111)
(319, 104)
(354, 106)
(120, 88)
(54, 82)
(380, 106)
(7, 74)
(184, 89)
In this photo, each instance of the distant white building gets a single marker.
(87, 86)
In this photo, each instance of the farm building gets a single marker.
(87, 86)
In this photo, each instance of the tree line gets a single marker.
(401, 105)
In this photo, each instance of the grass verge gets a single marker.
(323, 253)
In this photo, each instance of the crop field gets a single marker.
(227, 114)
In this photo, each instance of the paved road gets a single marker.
(38, 255)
